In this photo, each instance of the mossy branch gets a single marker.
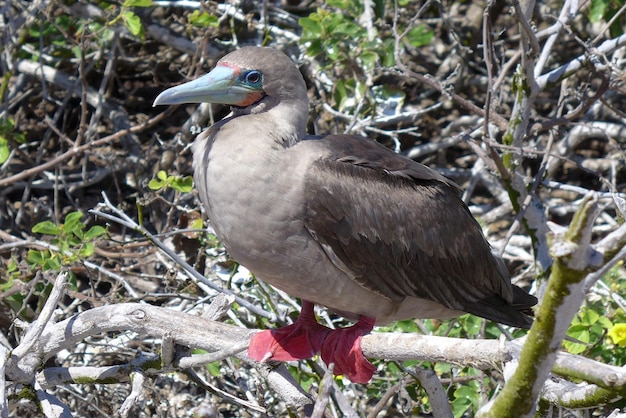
(564, 295)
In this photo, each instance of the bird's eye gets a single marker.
(253, 78)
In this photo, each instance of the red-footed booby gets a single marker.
(335, 220)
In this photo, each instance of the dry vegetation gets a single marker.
(472, 89)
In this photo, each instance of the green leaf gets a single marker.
(6, 285)
(73, 217)
(86, 250)
(348, 29)
(133, 23)
(36, 257)
(52, 263)
(16, 301)
(419, 36)
(203, 19)
(95, 232)
(7, 125)
(311, 28)
(464, 398)
(591, 316)
(408, 325)
(340, 4)
(197, 224)
(443, 368)
(598, 10)
(4, 150)
(137, 3)
(605, 322)
(47, 228)
(368, 59)
(155, 184)
(182, 184)
(72, 283)
(73, 224)
(315, 48)
(340, 94)
(581, 333)
(214, 368)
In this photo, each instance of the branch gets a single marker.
(565, 70)
(74, 151)
(564, 295)
(4, 406)
(197, 332)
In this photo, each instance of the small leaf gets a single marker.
(95, 232)
(137, 3)
(315, 48)
(598, 10)
(368, 59)
(16, 302)
(72, 223)
(4, 150)
(464, 397)
(213, 368)
(311, 28)
(72, 283)
(155, 184)
(184, 184)
(348, 29)
(203, 19)
(340, 94)
(6, 285)
(133, 23)
(605, 322)
(197, 224)
(52, 263)
(36, 257)
(87, 250)
(47, 228)
(419, 36)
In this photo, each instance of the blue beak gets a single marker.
(219, 86)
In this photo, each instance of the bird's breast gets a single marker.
(253, 200)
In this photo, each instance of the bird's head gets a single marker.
(243, 78)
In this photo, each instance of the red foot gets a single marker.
(300, 340)
(305, 338)
(343, 347)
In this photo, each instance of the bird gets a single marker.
(336, 220)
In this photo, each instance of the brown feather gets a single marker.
(400, 229)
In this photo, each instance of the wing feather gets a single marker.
(400, 229)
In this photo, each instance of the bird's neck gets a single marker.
(284, 122)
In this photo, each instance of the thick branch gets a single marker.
(563, 297)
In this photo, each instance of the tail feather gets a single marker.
(518, 313)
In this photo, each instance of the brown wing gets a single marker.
(399, 229)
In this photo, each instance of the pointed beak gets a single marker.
(219, 86)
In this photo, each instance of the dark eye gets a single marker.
(253, 77)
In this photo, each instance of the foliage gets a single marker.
(333, 36)
(71, 240)
(598, 330)
(605, 10)
(163, 181)
(8, 136)
(130, 19)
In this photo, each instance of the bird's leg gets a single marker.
(300, 340)
(343, 347)
(305, 338)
